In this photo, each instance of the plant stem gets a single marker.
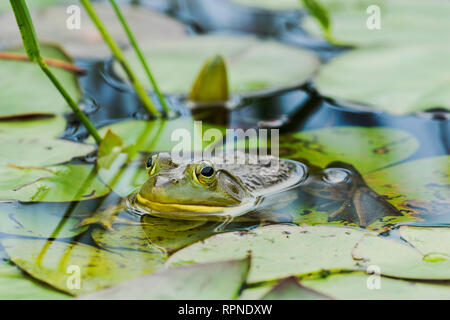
(141, 57)
(31, 45)
(118, 54)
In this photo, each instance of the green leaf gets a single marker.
(291, 289)
(110, 147)
(49, 261)
(401, 22)
(429, 241)
(403, 79)
(51, 127)
(275, 250)
(15, 285)
(52, 184)
(284, 66)
(419, 187)
(29, 92)
(402, 261)
(211, 84)
(365, 148)
(31, 151)
(320, 13)
(26, 221)
(209, 281)
(354, 286)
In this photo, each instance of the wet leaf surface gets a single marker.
(284, 66)
(403, 79)
(35, 152)
(49, 261)
(275, 250)
(399, 260)
(429, 241)
(203, 284)
(30, 92)
(56, 183)
(419, 187)
(365, 148)
(48, 128)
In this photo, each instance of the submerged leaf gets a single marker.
(278, 251)
(53, 262)
(209, 281)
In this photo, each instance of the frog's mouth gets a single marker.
(179, 207)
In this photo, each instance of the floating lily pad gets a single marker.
(209, 281)
(278, 251)
(365, 148)
(291, 289)
(284, 66)
(398, 80)
(46, 128)
(419, 187)
(22, 151)
(15, 285)
(50, 262)
(24, 221)
(354, 286)
(148, 27)
(401, 22)
(27, 90)
(57, 183)
(278, 5)
(429, 241)
(402, 261)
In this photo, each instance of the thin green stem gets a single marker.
(80, 115)
(31, 45)
(118, 54)
(140, 55)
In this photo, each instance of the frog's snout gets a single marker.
(162, 182)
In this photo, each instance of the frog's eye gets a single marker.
(205, 173)
(151, 164)
(337, 176)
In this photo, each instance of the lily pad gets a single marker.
(291, 289)
(419, 187)
(429, 241)
(399, 260)
(365, 148)
(284, 66)
(397, 80)
(51, 127)
(52, 262)
(354, 286)
(401, 22)
(28, 91)
(23, 151)
(147, 26)
(57, 183)
(278, 251)
(15, 285)
(199, 282)
(23, 221)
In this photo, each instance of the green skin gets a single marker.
(181, 190)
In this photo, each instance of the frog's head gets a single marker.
(189, 186)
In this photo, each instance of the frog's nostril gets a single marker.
(174, 181)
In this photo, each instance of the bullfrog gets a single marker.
(215, 189)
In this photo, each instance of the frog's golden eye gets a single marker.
(151, 164)
(205, 173)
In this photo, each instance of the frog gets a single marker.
(221, 187)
